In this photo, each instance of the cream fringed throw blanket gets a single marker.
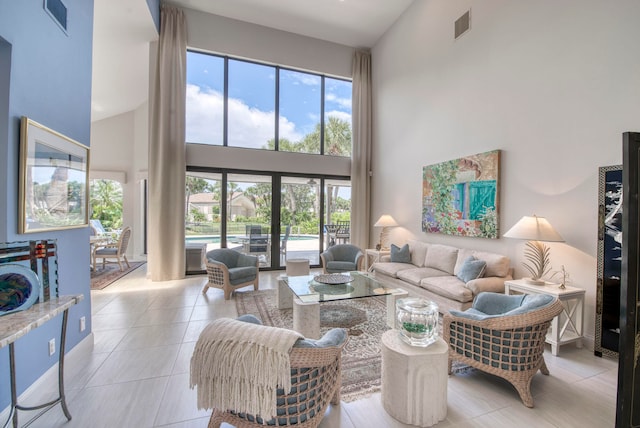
(238, 366)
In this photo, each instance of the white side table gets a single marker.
(414, 380)
(371, 255)
(566, 327)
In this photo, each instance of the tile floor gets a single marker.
(136, 372)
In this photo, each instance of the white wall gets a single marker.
(227, 36)
(119, 145)
(552, 84)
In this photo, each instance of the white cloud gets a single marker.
(248, 127)
(342, 102)
(340, 115)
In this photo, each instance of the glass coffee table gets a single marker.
(305, 293)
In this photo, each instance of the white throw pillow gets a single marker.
(418, 251)
(442, 257)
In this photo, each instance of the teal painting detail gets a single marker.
(460, 196)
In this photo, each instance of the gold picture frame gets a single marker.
(54, 180)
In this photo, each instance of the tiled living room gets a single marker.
(551, 86)
(137, 373)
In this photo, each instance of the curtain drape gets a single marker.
(166, 255)
(361, 151)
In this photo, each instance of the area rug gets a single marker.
(103, 277)
(365, 319)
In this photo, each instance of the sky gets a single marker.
(251, 119)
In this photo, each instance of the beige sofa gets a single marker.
(431, 274)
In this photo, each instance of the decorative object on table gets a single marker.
(38, 255)
(564, 275)
(19, 288)
(333, 289)
(535, 229)
(333, 278)
(460, 196)
(417, 321)
(54, 184)
(609, 266)
(385, 222)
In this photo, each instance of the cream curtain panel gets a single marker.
(167, 166)
(361, 151)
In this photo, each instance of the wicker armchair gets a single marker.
(508, 344)
(342, 258)
(229, 270)
(315, 382)
(113, 251)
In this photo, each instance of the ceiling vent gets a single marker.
(462, 24)
(58, 11)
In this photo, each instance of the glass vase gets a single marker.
(417, 321)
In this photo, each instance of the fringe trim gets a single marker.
(239, 366)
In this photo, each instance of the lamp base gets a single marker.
(534, 281)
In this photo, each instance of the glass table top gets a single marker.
(308, 290)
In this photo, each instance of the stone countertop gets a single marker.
(18, 324)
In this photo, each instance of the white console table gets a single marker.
(18, 324)
(566, 327)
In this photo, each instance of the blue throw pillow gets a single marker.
(400, 255)
(472, 268)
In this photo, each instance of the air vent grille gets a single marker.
(58, 12)
(462, 24)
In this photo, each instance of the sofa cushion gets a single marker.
(415, 275)
(242, 274)
(448, 286)
(463, 254)
(442, 257)
(471, 269)
(418, 252)
(497, 264)
(391, 269)
(337, 266)
(400, 254)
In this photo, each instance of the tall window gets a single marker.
(238, 103)
(105, 198)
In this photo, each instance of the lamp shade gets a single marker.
(385, 220)
(534, 228)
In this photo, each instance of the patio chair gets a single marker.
(315, 382)
(283, 242)
(503, 335)
(342, 258)
(258, 242)
(229, 270)
(96, 228)
(115, 250)
(343, 234)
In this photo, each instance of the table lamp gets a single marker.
(385, 222)
(535, 229)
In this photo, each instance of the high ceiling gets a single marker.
(357, 23)
(124, 28)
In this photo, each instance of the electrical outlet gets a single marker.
(83, 323)
(52, 347)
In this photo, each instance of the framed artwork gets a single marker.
(54, 184)
(460, 196)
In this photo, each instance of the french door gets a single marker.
(270, 215)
